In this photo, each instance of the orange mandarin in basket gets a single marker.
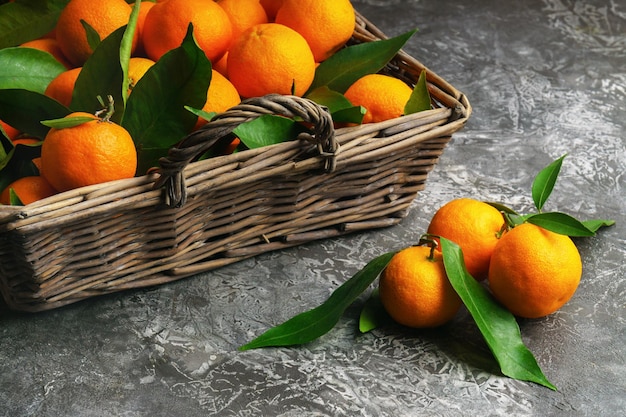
(28, 190)
(166, 25)
(270, 58)
(325, 24)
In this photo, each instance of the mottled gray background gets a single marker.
(545, 78)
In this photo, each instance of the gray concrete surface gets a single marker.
(545, 77)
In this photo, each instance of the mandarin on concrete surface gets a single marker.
(270, 58)
(473, 225)
(415, 290)
(166, 25)
(533, 271)
(28, 189)
(91, 153)
(383, 97)
(104, 16)
(325, 24)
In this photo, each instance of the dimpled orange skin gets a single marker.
(166, 24)
(105, 16)
(473, 225)
(326, 24)
(382, 96)
(50, 45)
(28, 190)
(61, 88)
(221, 96)
(533, 271)
(415, 290)
(87, 154)
(243, 14)
(270, 58)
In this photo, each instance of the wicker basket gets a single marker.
(205, 214)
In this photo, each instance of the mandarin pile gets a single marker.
(531, 271)
(255, 47)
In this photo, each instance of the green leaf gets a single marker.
(351, 115)
(156, 116)
(23, 21)
(308, 326)
(502, 208)
(497, 325)
(596, 224)
(338, 105)
(28, 68)
(543, 183)
(126, 49)
(332, 100)
(420, 97)
(266, 130)
(93, 37)
(373, 314)
(349, 64)
(208, 116)
(66, 122)
(24, 110)
(513, 220)
(102, 75)
(14, 200)
(18, 163)
(561, 223)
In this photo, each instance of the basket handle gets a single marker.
(195, 144)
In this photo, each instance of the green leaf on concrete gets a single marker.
(497, 325)
(560, 223)
(373, 314)
(543, 183)
(596, 224)
(308, 326)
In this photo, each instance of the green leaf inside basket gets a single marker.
(338, 105)
(353, 62)
(105, 73)
(16, 161)
(28, 68)
(267, 130)
(420, 97)
(157, 114)
(22, 21)
(24, 110)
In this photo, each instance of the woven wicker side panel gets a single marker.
(277, 212)
(87, 257)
